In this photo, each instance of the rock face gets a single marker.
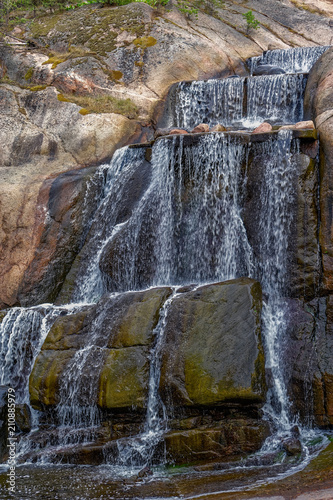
(309, 360)
(130, 52)
(36, 146)
(318, 106)
(267, 69)
(201, 338)
(309, 351)
(212, 360)
(71, 199)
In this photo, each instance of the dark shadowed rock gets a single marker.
(267, 69)
(318, 103)
(292, 446)
(23, 417)
(71, 199)
(3, 422)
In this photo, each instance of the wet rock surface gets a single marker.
(201, 338)
(204, 342)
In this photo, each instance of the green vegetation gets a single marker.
(29, 74)
(102, 104)
(251, 21)
(144, 42)
(13, 12)
(37, 88)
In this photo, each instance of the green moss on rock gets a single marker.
(124, 378)
(101, 27)
(84, 112)
(62, 98)
(37, 88)
(29, 74)
(212, 352)
(145, 42)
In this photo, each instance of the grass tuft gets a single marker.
(103, 104)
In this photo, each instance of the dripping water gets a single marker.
(188, 226)
(188, 222)
(278, 98)
(108, 220)
(277, 195)
(139, 450)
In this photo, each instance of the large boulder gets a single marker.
(118, 368)
(212, 369)
(212, 352)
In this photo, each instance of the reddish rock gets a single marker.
(218, 128)
(305, 125)
(177, 131)
(199, 129)
(263, 128)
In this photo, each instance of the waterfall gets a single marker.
(140, 449)
(110, 214)
(278, 98)
(187, 227)
(277, 195)
(174, 214)
(240, 102)
(212, 102)
(297, 60)
(22, 333)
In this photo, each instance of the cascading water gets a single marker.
(297, 60)
(110, 214)
(183, 222)
(22, 333)
(276, 198)
(277, 97)
(240, 102)
(211, 101)
(139, 450)
(186, 198)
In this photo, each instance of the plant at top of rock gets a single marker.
(154, 3)
(6, 6)
(251, 21)
(187, 8)
(102, 104)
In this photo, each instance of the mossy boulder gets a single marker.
(121, 329)
(213, 352)
(124, 378)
